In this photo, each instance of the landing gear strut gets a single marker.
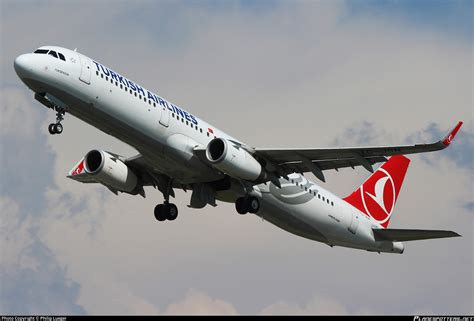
(57, 128)
(249, 204)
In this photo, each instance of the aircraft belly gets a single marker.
(185, 172)
(273, 211)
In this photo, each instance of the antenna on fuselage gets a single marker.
(75, 49)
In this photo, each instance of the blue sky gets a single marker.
(442, 15)
(445, 16)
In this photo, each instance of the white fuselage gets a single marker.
(165, 134)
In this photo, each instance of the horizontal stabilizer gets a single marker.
(399, 235)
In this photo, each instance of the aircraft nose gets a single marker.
(23, 65)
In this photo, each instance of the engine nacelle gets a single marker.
(110, 171)
(233, 160)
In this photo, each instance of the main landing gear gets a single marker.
(249, 204)
(166, 211)
(57, 128)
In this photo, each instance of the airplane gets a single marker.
(178, 150)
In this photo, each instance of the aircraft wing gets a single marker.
(285, 161)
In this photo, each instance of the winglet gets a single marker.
(449, 138)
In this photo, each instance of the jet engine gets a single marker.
(233, 160)
(110, 171)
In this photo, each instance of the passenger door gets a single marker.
(354, 222)
(86, 65)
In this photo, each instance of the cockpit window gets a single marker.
(50, 52)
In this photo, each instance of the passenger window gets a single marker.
(182, 120)
(323, 199)
(319, 196)
(154, 105)
(61, 56)
(200, 129)
(144, 99)
(41, 51)
(187, 123)
(332, 203)
(97, 73)
(139, 97)
(121, 86)
(135, 94)
(53, 53)
(116, 84)
(106, 78)
(101, 75)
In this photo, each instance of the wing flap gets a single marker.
(401, 235)
(301, 167)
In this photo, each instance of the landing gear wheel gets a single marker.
(171, 211)
(58, 128)
(160, 214)
(253, 204)
(240, 206)
(51, 129)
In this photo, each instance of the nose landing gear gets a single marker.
(57, 128)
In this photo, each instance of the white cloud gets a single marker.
(318, 305)
(104, 295)
(19, 117)
(15, 235)
(31, 280)
(199, 303)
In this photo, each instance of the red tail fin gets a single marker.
(379, 193)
